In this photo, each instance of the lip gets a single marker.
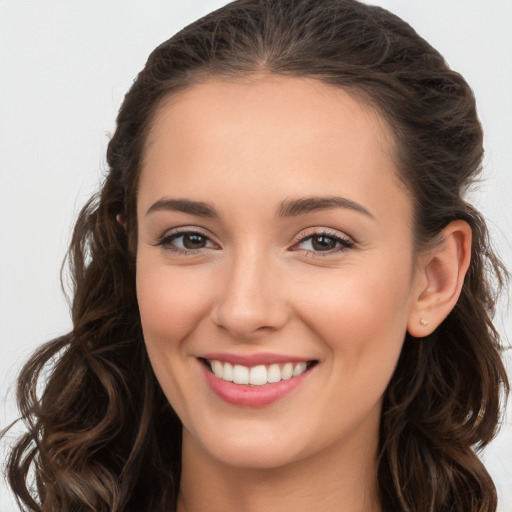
(253, 359)
(243, 395)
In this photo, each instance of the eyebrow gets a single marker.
(290, 208)
(304, 205)
(184, 205)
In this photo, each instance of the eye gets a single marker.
(324, 242)
(191, 241)
(186, 242)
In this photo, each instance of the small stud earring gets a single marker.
(423, 322)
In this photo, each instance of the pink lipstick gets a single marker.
(254, 380)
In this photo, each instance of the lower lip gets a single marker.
(252, 396)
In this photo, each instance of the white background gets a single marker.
(64, 67)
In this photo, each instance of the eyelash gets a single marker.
(342, 243)
(166, 242)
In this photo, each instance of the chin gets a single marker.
(258, 448)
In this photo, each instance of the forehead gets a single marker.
(273, 102)
(279, 135)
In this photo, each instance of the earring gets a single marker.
(423, 322)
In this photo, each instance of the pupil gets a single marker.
(323, 243)
(194, 241)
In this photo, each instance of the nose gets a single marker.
(251, 301)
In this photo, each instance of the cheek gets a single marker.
(171, 305)
(171, 302)
(359, 300)
(362, 320)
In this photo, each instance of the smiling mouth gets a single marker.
(259, 375)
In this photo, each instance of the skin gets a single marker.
(259, 284)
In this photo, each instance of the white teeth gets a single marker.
(299, 368)
(287, 371)
(240, 374)
(256, 375)
(228, 372)
(274, 373)
(217, 368)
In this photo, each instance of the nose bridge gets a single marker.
(250, 300)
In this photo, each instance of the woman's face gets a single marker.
(275, 240)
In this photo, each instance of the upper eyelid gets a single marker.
(181, 231)
(317, 231)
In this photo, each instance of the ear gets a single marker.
(439, 279)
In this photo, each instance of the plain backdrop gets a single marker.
(64, 68)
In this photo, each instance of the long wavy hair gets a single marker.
(101, 436)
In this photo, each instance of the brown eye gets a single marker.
(194, 241)
(317, 243)
(186, 242)
(323, 243)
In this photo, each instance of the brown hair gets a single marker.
(94, 438)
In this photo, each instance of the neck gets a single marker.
(340, 478)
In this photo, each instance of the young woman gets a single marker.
(282, 299)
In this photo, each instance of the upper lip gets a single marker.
(254, 359)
